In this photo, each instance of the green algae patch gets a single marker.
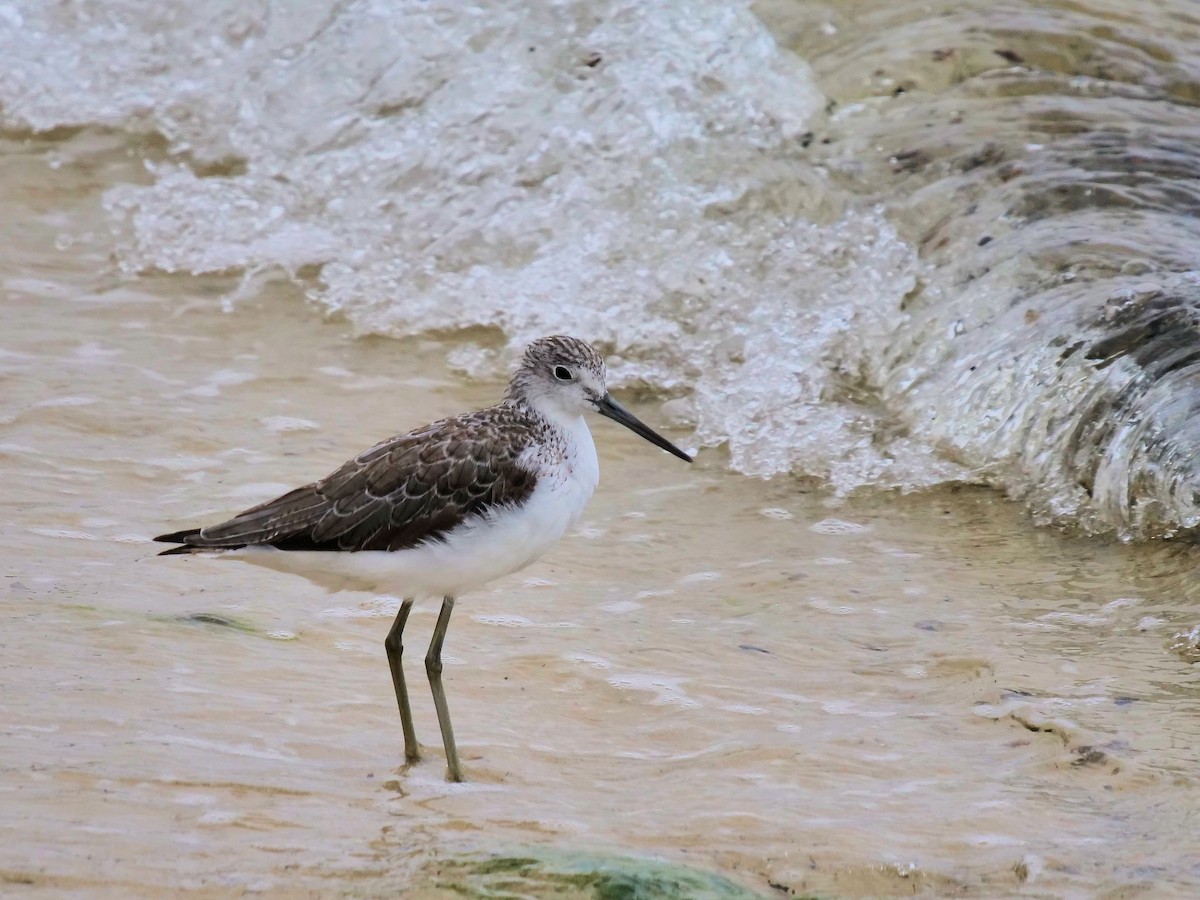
(577, 877)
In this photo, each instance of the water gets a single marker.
(959, 247)
(793, 682)
(1041, 157)
(626, 171)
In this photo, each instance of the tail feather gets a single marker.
(281, 518)
(179, 537)
(193, 542)
(186, 549)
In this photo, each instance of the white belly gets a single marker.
(473, 554)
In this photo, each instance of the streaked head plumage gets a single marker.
(562, 377)
(560, 373)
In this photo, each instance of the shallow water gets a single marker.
(888, 695)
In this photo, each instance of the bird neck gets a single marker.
(548, 410)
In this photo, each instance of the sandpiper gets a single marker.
(443, 509)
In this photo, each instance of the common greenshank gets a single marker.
(443, 509)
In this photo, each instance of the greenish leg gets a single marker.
(392, 643)
(433, 666)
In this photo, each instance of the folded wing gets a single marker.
(411, 488)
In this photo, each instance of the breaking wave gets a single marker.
(880, 260)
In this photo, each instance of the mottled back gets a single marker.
(411, 488)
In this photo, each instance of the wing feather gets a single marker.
(411, 488)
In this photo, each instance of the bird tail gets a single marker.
(189, 538)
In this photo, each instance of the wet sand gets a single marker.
(890, 695)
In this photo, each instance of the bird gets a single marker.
(443, 509)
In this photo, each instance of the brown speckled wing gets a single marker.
(412, 488)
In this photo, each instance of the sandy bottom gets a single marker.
(885, 696)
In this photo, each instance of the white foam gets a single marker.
(628, 171)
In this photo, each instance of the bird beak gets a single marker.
(610, 408)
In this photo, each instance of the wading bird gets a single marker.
(443, 509)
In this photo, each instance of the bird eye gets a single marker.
(562, 373)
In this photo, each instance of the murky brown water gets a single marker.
(892, 695)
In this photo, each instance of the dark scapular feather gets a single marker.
(406, 490)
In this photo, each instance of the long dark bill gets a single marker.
(611, 409)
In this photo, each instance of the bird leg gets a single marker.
(392, 643)
(433, 667)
